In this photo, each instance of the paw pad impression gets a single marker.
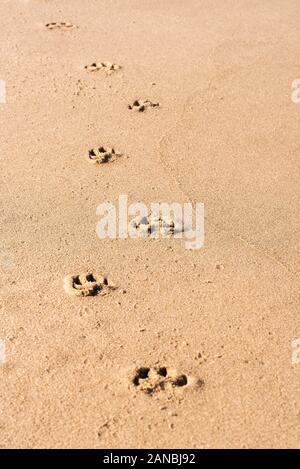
(142, 105)
(87, 285)
(107, 67)
(156, 224)
(157, 379)
(102, 155)
(63, 26)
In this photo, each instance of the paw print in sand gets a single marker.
(142, 105)
(154, 225)
(63, 26)
(87, 285)
(102, 155)
(107, 67)
(154, 380)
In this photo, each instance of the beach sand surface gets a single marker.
(226, 134)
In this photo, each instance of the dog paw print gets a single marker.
(142, 105)
(62, 26)
(107, 67)
(87, 285)
(156, 225)
(155, 380)
(102, 155)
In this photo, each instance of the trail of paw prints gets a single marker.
(141, 105)
(61, 26)
(152, 381)
(101, 155)
(87, 285)
(107, 67)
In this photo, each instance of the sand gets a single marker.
(192, 348)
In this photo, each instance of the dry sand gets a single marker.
(226, 134)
